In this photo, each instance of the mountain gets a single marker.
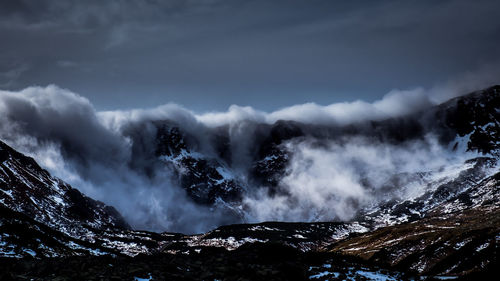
(31, 190)
(207, 180)
(442, 223)
(44, 216)
(467, 124)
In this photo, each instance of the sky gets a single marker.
(207, 55)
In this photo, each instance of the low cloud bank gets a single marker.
(336, 180)
(103, 154)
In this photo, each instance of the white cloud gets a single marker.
(335, 180)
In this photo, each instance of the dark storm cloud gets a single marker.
(208, 54)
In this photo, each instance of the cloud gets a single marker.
(336, 180)
(393, 104)
(64, 133)
(52, 114)
(234, 115)
(110, 155)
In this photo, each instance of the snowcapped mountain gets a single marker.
(434, 215)
(44, 216)
(467, 124)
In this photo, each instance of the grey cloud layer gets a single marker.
(268, 54)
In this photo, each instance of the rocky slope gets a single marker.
(42, 216)
(31, 190)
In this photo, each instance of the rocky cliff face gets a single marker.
(207, 180)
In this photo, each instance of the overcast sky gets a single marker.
(209, 54)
